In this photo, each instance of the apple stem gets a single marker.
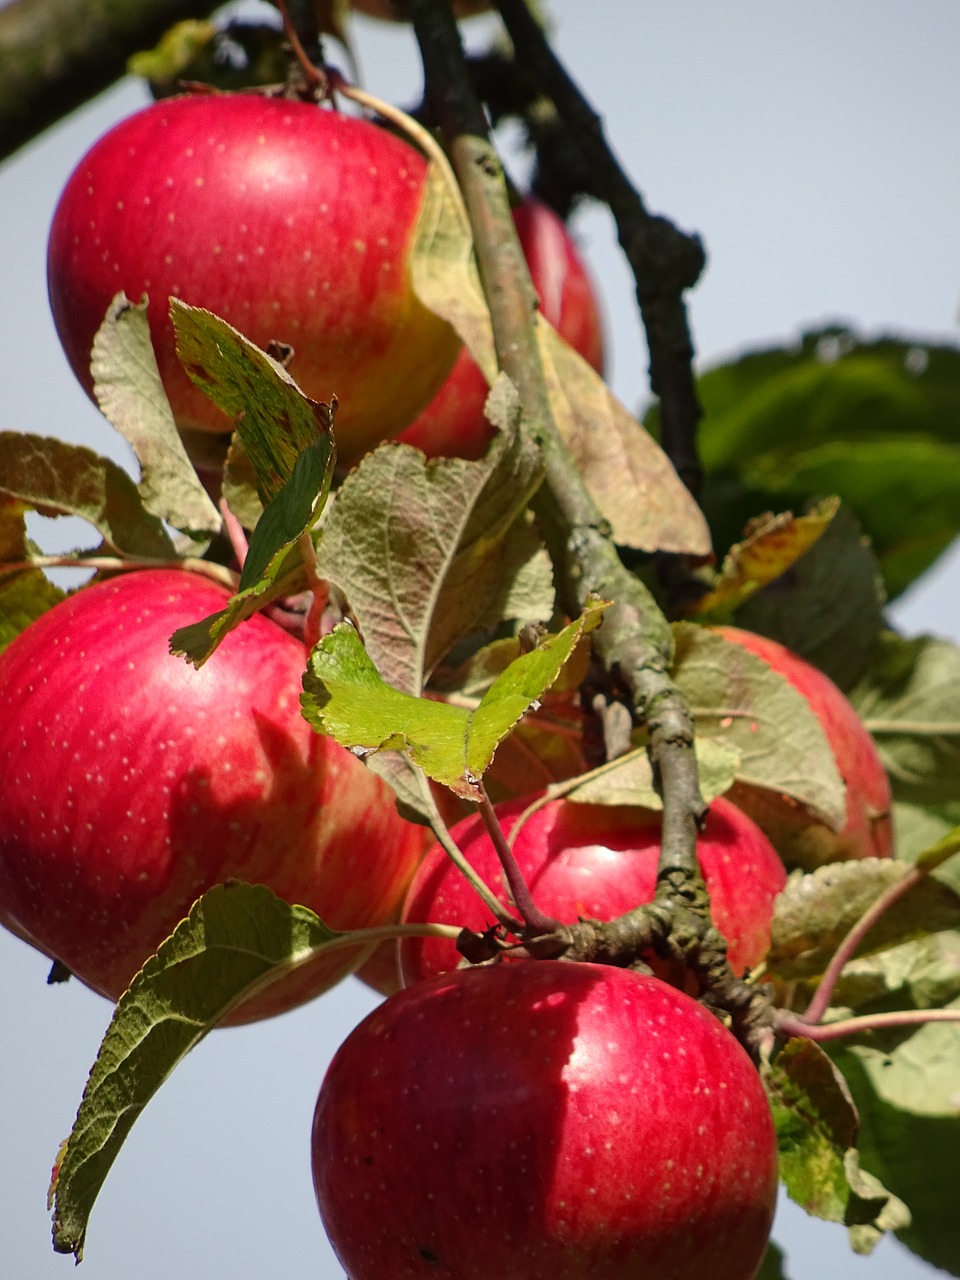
(820, 1002)
(235, 532)
(533, 917)
(318, 586)
(454, 853)
(316, 79)
(794, 1025)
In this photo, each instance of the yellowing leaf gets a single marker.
(630, 477)
(772, 545)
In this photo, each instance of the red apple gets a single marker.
(598, 862)
(290, 221)
(130, 783)
(544, 1121)
(800, 839)
(453, 425)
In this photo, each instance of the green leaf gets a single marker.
(197, 641)
(235, 941)
(240, 485)
(906, 1085)
(293, 512)
(774, 1264)
(427, 552)
(739, 701)
(628, 780)
(273, 566)
(415, 801)
(910, 702)
(127, 385)
(914, 1152)
(59, 479)
(921, 974)
(273, 418)
(25, 594)
(828, 608)
(345, 697)
(815, 912)
(875, 422)
(816, 1126)
(917, 827)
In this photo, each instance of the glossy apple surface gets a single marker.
(290, 221)
(453, 425)
(799, 837)
(130, 783)
(544, 1121)
(599, 862)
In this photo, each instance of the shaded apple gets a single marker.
(800, 838)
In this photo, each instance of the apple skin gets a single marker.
(597, 862)
(453, 425)
(544, 1121)
(291, 222)
(799, 838)
(130, 783)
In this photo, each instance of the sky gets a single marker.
(814, 148)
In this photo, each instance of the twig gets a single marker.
(301, 30)
(533, 917)
(818, 1006)
(790, 1024)
(486, 894)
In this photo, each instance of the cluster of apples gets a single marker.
(584, 1119)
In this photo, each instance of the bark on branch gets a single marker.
(56, 54)
(665, 261)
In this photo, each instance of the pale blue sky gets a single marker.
(814, 147)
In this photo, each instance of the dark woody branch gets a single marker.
(634, 640)
(56, 54)
(665, 261)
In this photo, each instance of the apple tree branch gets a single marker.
(57, 54)
(635, 639)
